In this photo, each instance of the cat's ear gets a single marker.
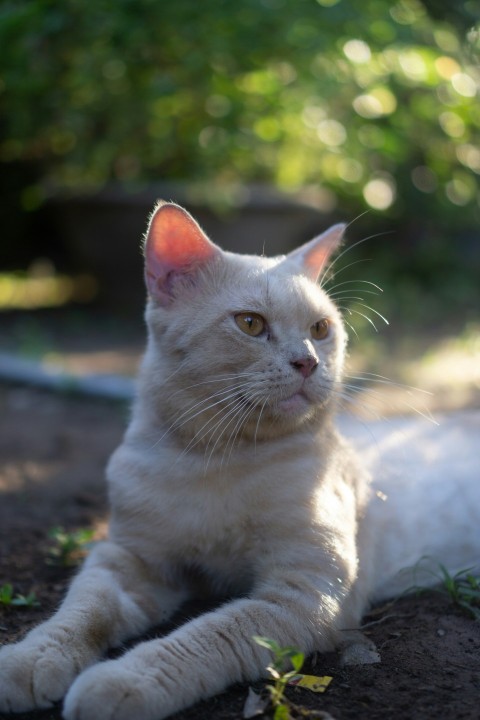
(175, 247)
(313, 257)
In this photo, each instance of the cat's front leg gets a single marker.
(111, 599)
(202, 658)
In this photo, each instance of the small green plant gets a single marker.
(283, 658)
(11, 599)
(69, 548)
(463, 588)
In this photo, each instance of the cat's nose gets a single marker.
(306, 365)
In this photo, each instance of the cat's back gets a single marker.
(426, 494)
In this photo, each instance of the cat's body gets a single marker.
(233, 480)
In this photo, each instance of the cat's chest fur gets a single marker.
(226, 521)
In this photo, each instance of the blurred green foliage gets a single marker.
(366, 103)
(366, 99)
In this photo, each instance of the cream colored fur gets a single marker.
(233, 479)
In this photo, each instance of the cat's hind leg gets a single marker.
(111, 599)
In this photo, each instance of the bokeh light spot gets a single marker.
(380, 192)
(331, 133)
(464, 85)
(452, 124)
(412, 65)
(446, 67)
(469, 155)
(424, 179)
(460, 190)
(357, 51)
(350, 170)
(218, 105)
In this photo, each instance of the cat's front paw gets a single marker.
(113, 691)
(33, 675)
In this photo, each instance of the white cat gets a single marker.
(233, 479)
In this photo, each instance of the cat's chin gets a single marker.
(296, 404)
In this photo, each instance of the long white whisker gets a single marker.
(187, 416)
(344, 298)
(258, 422)
(234, 412)
(354, 401)
(368, 377)
(375, 395)
(351, 247)
(351, 282)
(374, 311)
(219, 378)
(326, 278)
(235, 402)
(351, 328)
(352, 310)
(240, 424)
(342, 293)
(204, 430)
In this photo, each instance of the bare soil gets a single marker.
(53, 449)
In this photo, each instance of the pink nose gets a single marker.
(305, 365)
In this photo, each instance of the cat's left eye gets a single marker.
(320, 329)
(250, 323)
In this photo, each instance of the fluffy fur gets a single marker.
(234, 480)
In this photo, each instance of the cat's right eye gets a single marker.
(250, 323)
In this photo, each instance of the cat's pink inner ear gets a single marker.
(314, 256)
(175, 245)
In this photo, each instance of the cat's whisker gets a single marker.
(342, 393)
(223, 392)
(219, 378)
(177, 370)
(205, 404)
(241, 425)
(233, 404)
(355, 219)
(351, 328)
(352, 282)
(329, 269)
(369, 376)
(345, 396)
(351, 247)
(376, 395)
(250, 403)
(258, 423)
(344, 294)
(376, 312)
(227, 398)
(327, 277)
(350, 311)
(240, 416)
(381, 417)
(198, 436)
(355, 298)
(238, 407)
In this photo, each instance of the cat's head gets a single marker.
(240, 346)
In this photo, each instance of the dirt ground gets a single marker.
(53, 450)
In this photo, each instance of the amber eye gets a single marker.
(250, 323)
(320, 329)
